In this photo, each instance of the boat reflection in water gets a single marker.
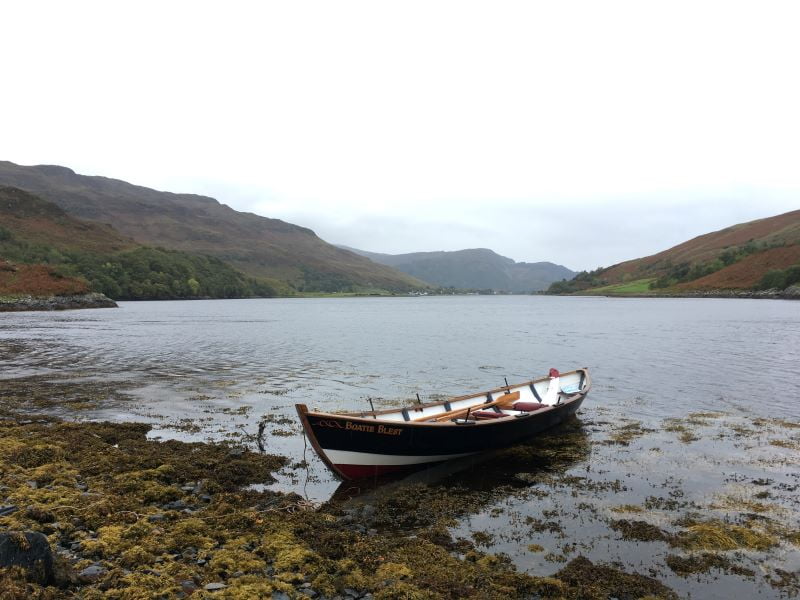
(485, 477)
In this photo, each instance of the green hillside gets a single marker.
(292, 257)
(757, 255)
(71, 254)
(475, 269)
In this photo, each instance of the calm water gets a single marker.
(220, 365)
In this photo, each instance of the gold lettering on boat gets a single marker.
(363, 427)
(389, 430)
(359, 427)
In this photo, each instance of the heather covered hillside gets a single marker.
(37, 280)
(290, 257)
(757, 255)
(47, 252)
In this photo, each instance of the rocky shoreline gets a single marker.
(24, 303)
(791, 293)
(101, 510)
(96, 510)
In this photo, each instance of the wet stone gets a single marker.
(157, 518)
(29, 550)
(214, 587)
(280, 596)
(91, 573)
(188, 586)
(8, 509)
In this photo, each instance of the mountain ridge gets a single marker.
(51, 253)
(473, 268)
(290, 256)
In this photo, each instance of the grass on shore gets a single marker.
(639, 286)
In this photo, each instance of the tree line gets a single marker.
(143, 273)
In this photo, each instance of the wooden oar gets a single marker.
(454, 414)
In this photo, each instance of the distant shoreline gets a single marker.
(789, 294)
(31, 303)
(50, 303)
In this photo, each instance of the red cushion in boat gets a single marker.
(528, 406)
(486, 414)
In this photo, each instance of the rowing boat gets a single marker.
(368, 444)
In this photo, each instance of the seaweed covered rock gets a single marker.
(589, 582)
(30, 551)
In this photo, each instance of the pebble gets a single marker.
(188, 586)
(213, 587)
(156, 518)
(280, 596)
(91, 573)
(8, 509)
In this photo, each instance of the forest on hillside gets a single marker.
(142, 273)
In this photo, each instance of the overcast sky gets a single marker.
(584, 133)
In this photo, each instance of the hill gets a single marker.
(47, 252)
(37, 221)
(37, 280)
(746, 256)
(293, 257)
(474, 269)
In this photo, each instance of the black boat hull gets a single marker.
(357, 447)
